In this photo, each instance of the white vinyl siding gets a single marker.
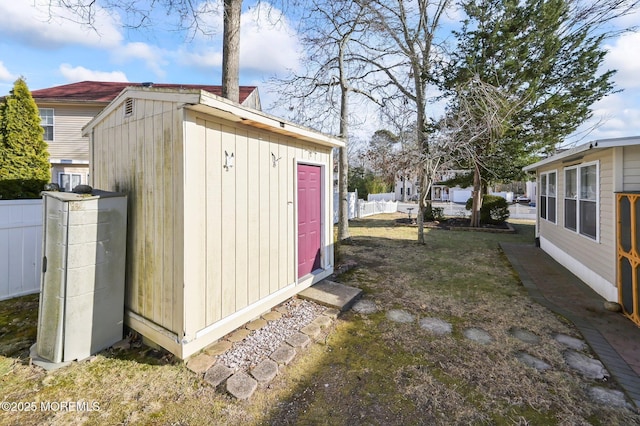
(631, 160)
(67, 142)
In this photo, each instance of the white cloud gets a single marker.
(74, 74)
(5, 75)
(623, 56)
(152, 56)
(267, 43)
(30, 22)
(617, 115)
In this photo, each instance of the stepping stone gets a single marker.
(217, 374)
(532, 361)
(265, 371)
(299, 340)
(272, 316)
(282, 310)
(200, 363)
(589, 367)
(218, 348)
(478, 335)
(333, 295)
(608, 397)
(238, 335)
(283, 355)
(311, 330)
(256, 324)
(331, 313)
(365, 307)
(570, 342)
(436, 326)
(322, 321)
(400, 315)
(524, 335)
(241, 385)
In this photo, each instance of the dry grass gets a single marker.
(369, 370)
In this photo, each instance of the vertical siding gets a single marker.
(249, 230)
(631, 174)
(142, 158)
(596, 254)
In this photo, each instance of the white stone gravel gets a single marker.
(260, 344)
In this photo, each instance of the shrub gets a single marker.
(494, 210)
(24, 160)
(433, 213)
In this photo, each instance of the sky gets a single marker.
(54, 49)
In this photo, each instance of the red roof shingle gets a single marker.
(105, 91)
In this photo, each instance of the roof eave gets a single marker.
(596, 144)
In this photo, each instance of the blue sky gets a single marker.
(53, 51)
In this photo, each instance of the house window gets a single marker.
(46, 121)
(68, 181)
(581, 199)
(548, 196)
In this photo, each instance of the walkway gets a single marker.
(613, 338)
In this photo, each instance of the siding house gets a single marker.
(65, 109)
(229, 213)
(588, 206)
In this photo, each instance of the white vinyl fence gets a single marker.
(386, 196)
(20, 247)
(361, 208)
(352, 200)
(369, 208)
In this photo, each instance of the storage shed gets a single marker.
(588, 216)
(229, 210)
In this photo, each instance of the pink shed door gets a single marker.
(309, 209)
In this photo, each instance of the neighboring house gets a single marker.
(583, 193)
(408, 187)
(230, 210)
(64, 110)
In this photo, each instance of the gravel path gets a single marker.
(263, 342)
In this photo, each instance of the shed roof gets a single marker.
(107, 91)
(211, 104)
(578, 150)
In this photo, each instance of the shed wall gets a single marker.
(141, 155)
(240, 222)
(596, 256)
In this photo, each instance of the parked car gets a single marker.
(522, 199)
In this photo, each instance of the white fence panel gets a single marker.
(352, 198)
(386, 196)
(369, 208)
(20, 247)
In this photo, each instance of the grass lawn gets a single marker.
(369, 370)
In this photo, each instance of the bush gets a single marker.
(433, 213)
(494, 210)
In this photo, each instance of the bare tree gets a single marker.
(405, 54)
(478, 121)
(320, 94)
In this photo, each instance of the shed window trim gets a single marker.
(548, 195)
(582, 199)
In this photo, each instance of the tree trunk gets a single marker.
(343, 201)
(477, 198)
(231, 50)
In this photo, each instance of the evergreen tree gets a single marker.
(24, 159)
(530, 50)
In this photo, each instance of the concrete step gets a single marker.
(332, 294)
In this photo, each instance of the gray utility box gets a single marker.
(83, 269)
